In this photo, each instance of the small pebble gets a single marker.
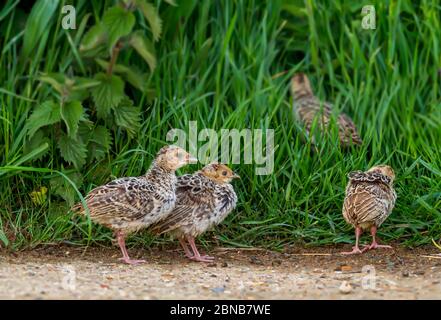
(218, 289)
(345, 288)
(256, 260)
(276, 262)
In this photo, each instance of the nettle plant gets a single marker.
(86, 109)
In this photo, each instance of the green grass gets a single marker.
(228, 66)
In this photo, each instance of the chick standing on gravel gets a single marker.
(307, 107)
(370, 198)
(126, 205)
(204, 199)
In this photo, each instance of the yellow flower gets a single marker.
(39, 196)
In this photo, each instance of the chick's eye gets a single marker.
(224, 173)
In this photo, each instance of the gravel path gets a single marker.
(314, 273)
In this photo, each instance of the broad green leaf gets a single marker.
(79, 91)
(145, 48)
(56, 80)
(34, 143)
(37, 23)
(96, 151)
(128, 117)
(45, 114)
(134, 77)
(119, 22)
(101, 135)
(108, 94)
(69, 88)
(71, 113)
(99, 143)
(84, 83)
(151, 14)
(64, 189)
(93, 38)
(85, 130)
(72, 150)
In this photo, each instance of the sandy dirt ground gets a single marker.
(64, 272)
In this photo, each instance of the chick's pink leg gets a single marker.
(122, 244)
(187, 251)
(356, 248)
(374, 244)
(196, 255)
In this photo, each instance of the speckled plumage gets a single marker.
(204, 199)
(132, 203)
(128, 204)
(308, 107)
(369, 200)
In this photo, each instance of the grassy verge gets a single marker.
(227, 65)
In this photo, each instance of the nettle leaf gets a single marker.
(151, 14)
(37, 140)
(93, 38)
(61, 187)
(119, 22)
(84, 120)
(144, 47)
(84, 130)
(45, 114)
(99, 142)
(72, 150)
(96, 151)
(56, 80)
(136, 79)
(101, 135)
(108, 94)
(128, 117)
(71, 113)
(82, 83)
(133, 76)
(79, 91)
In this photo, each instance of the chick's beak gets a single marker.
(236, 176)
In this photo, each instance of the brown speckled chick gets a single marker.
(204, 199)
(370, 198)
(126, 205)
(307, 107)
